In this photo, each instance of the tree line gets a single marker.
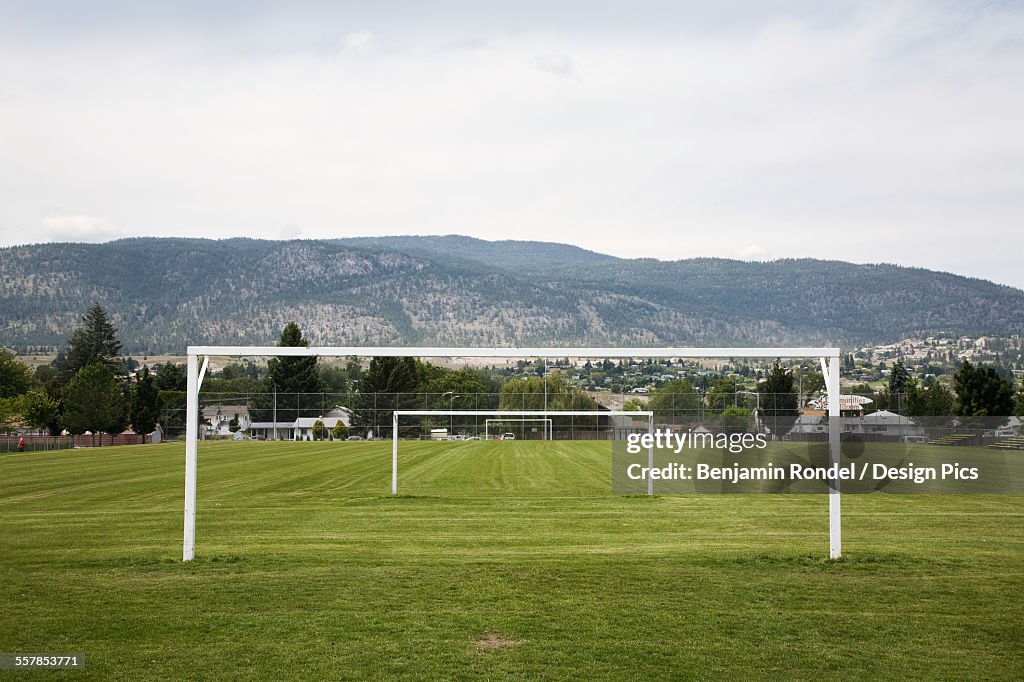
(87, 389)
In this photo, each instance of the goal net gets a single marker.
(498, 428)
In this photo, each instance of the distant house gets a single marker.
(304, 426)
(885, 423)
(301, 428)
(272, 431)
(219, 418)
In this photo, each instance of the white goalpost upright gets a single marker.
(829, 358)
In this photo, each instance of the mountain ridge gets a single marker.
(167, 293)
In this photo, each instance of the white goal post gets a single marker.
(548, 423)
(829, 358)
(515, 413)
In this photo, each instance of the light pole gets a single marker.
(757, 407)
(544, 423)
(274, 384)
(451, 410)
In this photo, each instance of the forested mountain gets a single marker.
(164, 294)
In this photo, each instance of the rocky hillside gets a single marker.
(164, 294)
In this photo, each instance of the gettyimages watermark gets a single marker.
(938, 456)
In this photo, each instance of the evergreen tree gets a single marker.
(778, 400)
(94, 341)
(981, 392)
(295, 380)
(171, 377)
(899, 379)
(145, 405)
(388, 384)
(94, 401)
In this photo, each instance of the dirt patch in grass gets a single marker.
(491, 641)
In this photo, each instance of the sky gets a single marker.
(866, 132)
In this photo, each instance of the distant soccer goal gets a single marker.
(646, 416)
(546, 434)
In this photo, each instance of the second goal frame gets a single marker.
(549, 429)
(537, 414)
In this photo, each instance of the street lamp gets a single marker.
(451, 410)
(757, 407)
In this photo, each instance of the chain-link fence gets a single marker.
(35, 443)
(287, 416)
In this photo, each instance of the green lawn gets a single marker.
(498, 560)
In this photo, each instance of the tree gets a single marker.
(981, 392)
(553, 393)
(930, 406)
(736, 420)
(779, 408)
(634, 405)
(15, 375)
(39, 411)
(899, 379)
(10, 413)
(388, 384)
(233, 425)
(340, 431)
(171, 377)
(472, 389)
(677, 398)
(94, 341)
(722, 394)
(319, 430)
(295, 380)
(145, 405)
(94, 401)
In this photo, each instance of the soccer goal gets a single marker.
(829, 358)
(546, 434)
(532, 415)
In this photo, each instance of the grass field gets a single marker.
(499, 560)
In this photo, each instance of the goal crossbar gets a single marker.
(829, 358)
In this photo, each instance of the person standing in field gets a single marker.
(21, 444)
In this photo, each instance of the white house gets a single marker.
(884, 423)
(301, 428)
(220, 416)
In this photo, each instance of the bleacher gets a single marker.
(1012, 443)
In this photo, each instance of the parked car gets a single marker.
(355, 438)
(509, 436)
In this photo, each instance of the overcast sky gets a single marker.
(866, 132)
